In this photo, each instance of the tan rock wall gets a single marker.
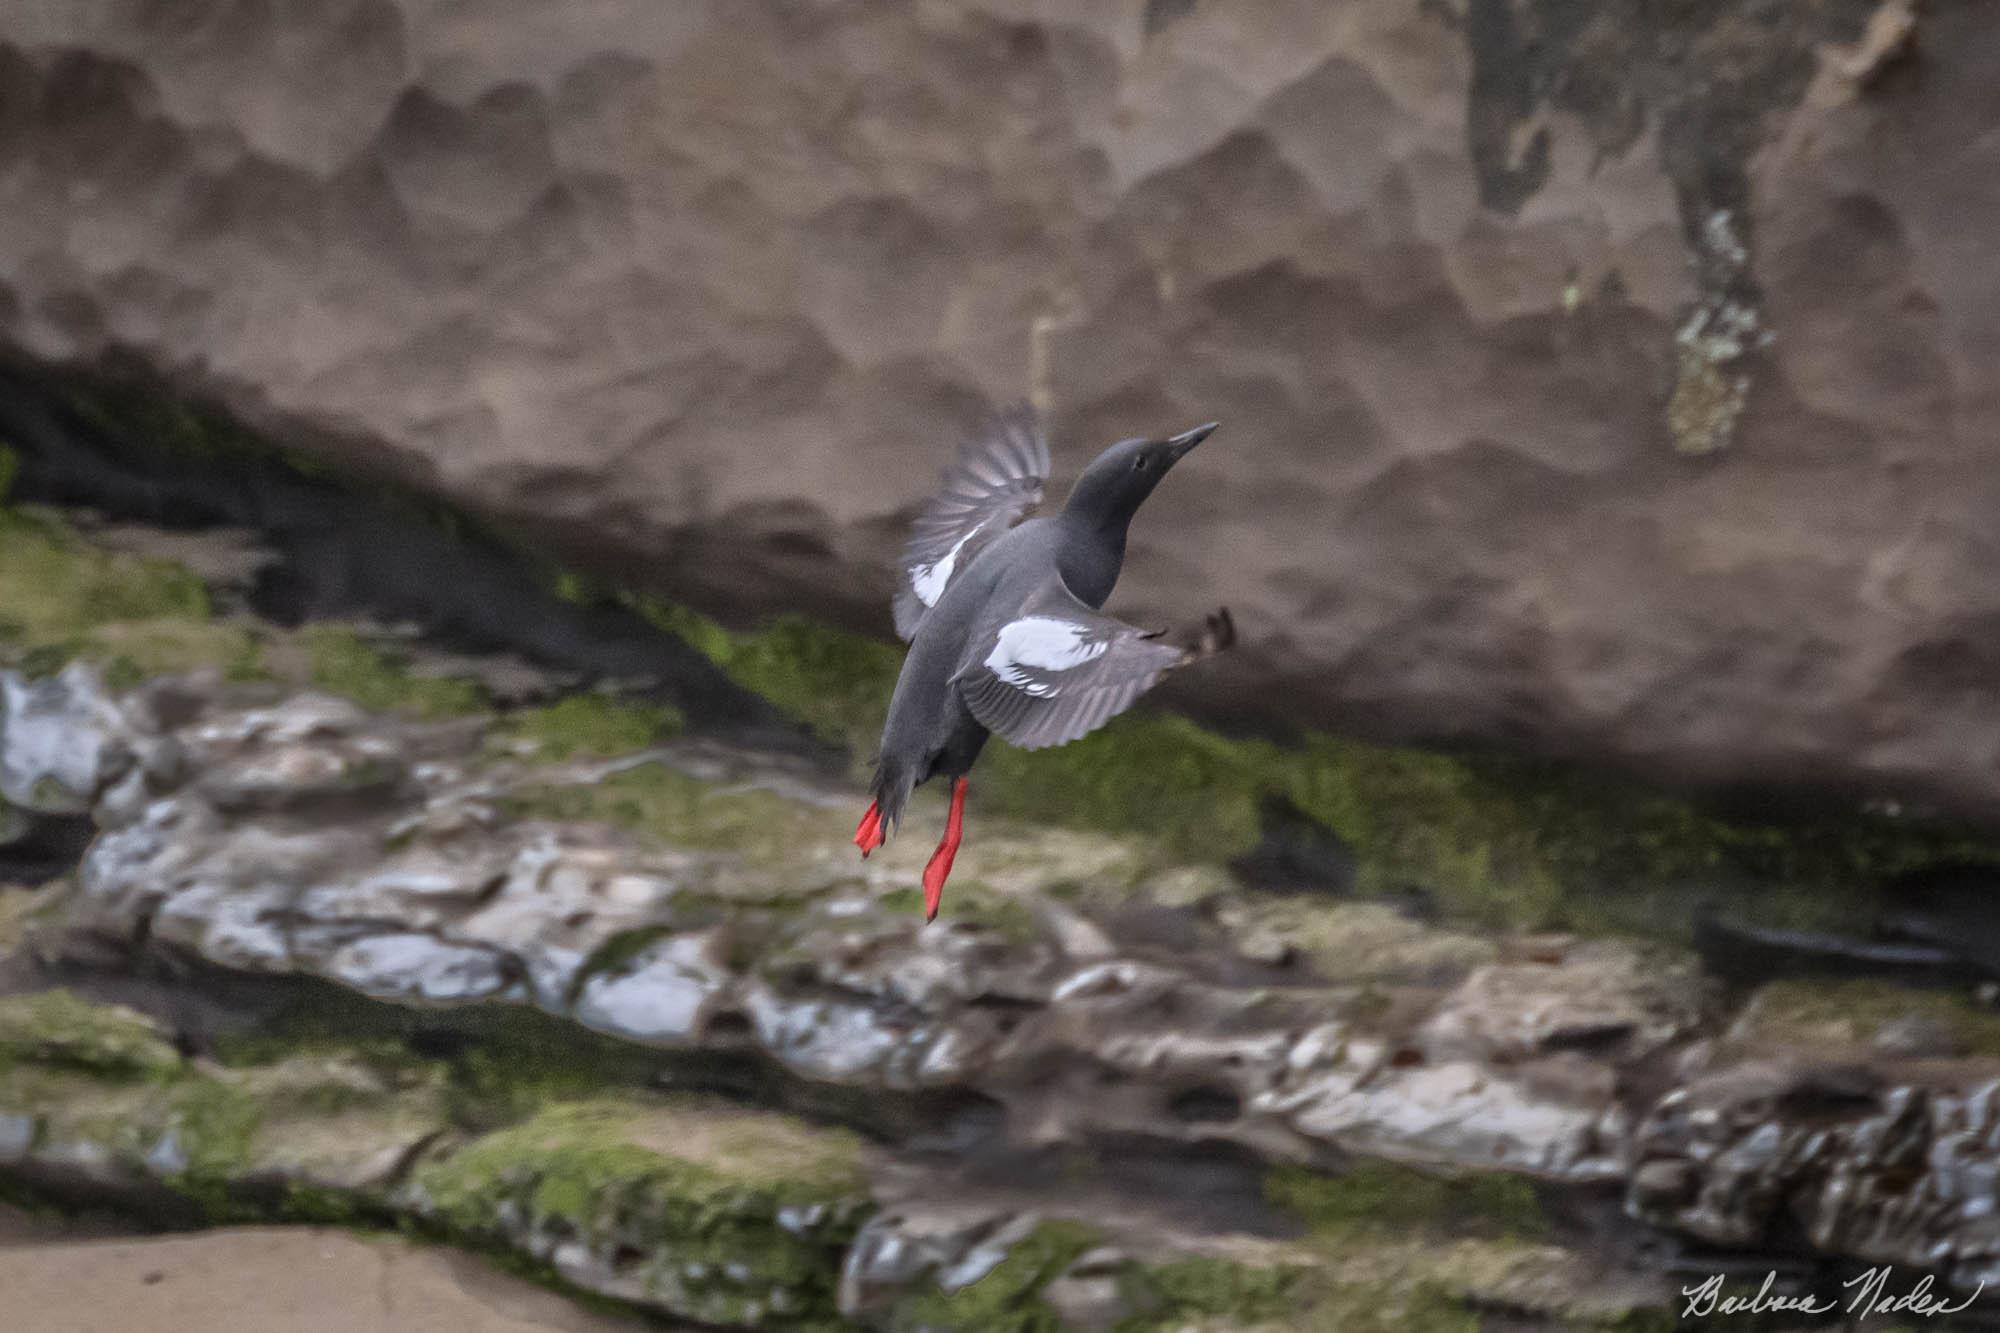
(1592, 377)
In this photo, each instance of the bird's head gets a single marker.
(1118, 480)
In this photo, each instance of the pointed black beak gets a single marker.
(1182, 443)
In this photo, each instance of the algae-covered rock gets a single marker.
(968, 1268)
(311, 838)
(411, 861)
(1418, 1255)
(102, 1085)
(1827, 1018)
(686, 1207)
(728, 1217)
(717, 1212)
(67, 598)
(56, 1029)
(343, 662)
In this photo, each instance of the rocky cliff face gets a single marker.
(1598, 377)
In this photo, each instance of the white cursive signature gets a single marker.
(1707, 1299)
(1870, 1295)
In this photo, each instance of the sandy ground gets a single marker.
(264, 1280)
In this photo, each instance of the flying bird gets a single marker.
(1003, 620)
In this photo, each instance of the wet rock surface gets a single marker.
(310, 838)
(402, 969)
(1855, 1164)
(1702, 292)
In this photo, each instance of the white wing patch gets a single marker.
(1059, 669)
(1044, 643)
(928, 581)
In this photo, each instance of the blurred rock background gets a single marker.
(456, 452)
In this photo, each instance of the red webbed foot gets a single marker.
(939, 867)
(868, 833)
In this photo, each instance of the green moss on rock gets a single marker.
(970, 903)
(185, 1128)
(60, 1030)
(837, 683)
(723, 1216)
(214, 1122)
(133, 652)
(61, 598)
(493, 1085)
(591, 724)
(505, 1062)
(101, 1080)
(24, 910)
(1377, 1281)
(1380, 1198)
(58, 584)
(343, 662)
(1201, 1288)
(658, 801)
(1843, 1015)
(697, 1208)
(1192, 791)
(1296, 1293)
(1007, 1299)
(708, 1211)
(1498, 841)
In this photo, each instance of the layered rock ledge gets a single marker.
(418, 970)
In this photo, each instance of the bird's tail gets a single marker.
(892, 785)
(894, 780)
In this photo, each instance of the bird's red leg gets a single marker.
(947, 848)
(868, 834)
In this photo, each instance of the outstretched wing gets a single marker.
(1057, 670)
(996, 478)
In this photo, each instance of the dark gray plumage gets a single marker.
(1003, 622)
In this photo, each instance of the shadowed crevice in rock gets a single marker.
(217, 1012)
(346, 548)
(1207, 1187)
(1294, 852)
(1938, 926)
(1749, 955)
(44, 847)
(1955, 907)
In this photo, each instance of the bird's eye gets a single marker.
(1139, 463)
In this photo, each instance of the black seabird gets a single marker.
(1003, 623)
